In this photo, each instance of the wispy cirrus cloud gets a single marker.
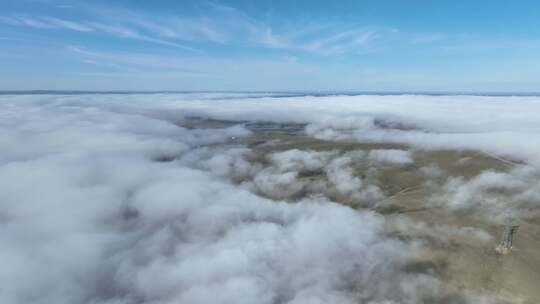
(219, 24)
(21, 20)
(169, 69)
(54, 23)
(335, 42)
(136, 62)
(130, 33)
(229, 26)
(71, 25)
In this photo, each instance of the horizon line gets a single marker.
(292, 92)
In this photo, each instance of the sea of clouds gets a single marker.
(107, 199)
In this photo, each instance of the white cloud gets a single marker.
(121, 31)
(107, 206)
(21, 20)
(504, 126)
(110, 201)
(69, 24)
(126, 32)
(46, 23)
(341, 175)
(219, 24)
(442, 234)
(497, 196)
(392, 156)
(296, 160)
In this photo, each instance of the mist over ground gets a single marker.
(162, 198)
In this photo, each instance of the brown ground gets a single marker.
(461, 262)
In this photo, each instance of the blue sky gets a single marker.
(270, 45)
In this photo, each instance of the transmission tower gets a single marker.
(507, 240)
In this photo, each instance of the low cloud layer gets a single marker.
(295, 172)
(506, 126)
(496, 195)
(105, 199)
